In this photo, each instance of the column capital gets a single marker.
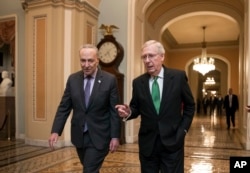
(81, 5)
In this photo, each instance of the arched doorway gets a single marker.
(154, 18)
(221, 75)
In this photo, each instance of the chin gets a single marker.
(151, 71)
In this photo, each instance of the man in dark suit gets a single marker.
(95, 123)
(231, 105)
(164, 125)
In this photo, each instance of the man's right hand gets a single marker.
(123, 110)
(52, 140)
(247, 108)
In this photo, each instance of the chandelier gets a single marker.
(210, 81)
(203, 64)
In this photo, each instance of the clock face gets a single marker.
(107, 52)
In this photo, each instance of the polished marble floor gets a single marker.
(208, 148)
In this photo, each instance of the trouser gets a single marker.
(90, 157)
(230, 117)
(162, 160)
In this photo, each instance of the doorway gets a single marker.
(7, 81)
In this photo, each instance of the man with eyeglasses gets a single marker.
(95, 125)
(163, 99)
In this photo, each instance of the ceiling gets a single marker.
(182, 22)
(188, 32)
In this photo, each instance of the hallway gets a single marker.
(208, 148)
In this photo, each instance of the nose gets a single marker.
(146, 58)
(85, 64)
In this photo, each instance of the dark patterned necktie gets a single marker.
(156, 94)
(87, 96)
(87, 90)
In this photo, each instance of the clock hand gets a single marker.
(108, 52)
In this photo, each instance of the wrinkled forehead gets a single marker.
(88, 53)
(150, 49)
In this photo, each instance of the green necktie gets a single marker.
(156, 94)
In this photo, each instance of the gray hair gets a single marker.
(157, 44)
(91, 46)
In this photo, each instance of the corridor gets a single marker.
(208, 148)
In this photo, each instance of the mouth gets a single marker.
(86, 70)
(150, 67)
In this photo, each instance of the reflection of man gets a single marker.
(219, 104)
(212, 102)
(231, 105)
(205, 103)
(5, 84)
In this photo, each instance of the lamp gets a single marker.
(210, 81)
(203, 64)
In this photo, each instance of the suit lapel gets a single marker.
(80, 82)
(165, 89)
(95, 89)
(146, 90)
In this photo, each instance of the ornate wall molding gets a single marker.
(80, 5)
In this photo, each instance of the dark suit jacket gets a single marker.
(235, 103)
(173, 118)
(101, 116)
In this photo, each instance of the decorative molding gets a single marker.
(90, 34)
(80, 5)
(39, 65)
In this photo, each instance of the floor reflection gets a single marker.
(201, 167)
(208, 148)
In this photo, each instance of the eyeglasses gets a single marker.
(149, 56)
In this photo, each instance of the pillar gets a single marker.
(55, 30)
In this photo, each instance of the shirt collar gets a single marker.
(92, 75)
(160, 75)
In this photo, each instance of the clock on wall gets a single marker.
(110, 51)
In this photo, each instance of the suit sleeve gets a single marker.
(63, 111)
(188, 104)
(115, 120)
(237, 102)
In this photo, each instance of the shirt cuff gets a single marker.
(126, 118)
